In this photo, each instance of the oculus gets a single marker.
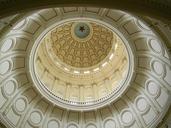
(81, 30)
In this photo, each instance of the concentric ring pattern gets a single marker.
(81, 88)
(142, 105)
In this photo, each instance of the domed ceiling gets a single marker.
(83, 67)
(81, 44)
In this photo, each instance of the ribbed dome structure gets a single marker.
(83, 67)
(81, 72)
(81, 52)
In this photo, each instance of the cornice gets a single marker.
(153, 8)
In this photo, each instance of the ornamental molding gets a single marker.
(143, 104)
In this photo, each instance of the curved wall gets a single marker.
(143, 105)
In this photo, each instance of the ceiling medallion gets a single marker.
(82, 31)
(62, 59)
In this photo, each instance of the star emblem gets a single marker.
(82, 28)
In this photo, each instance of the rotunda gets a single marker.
(83, 67)
(81, 71)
